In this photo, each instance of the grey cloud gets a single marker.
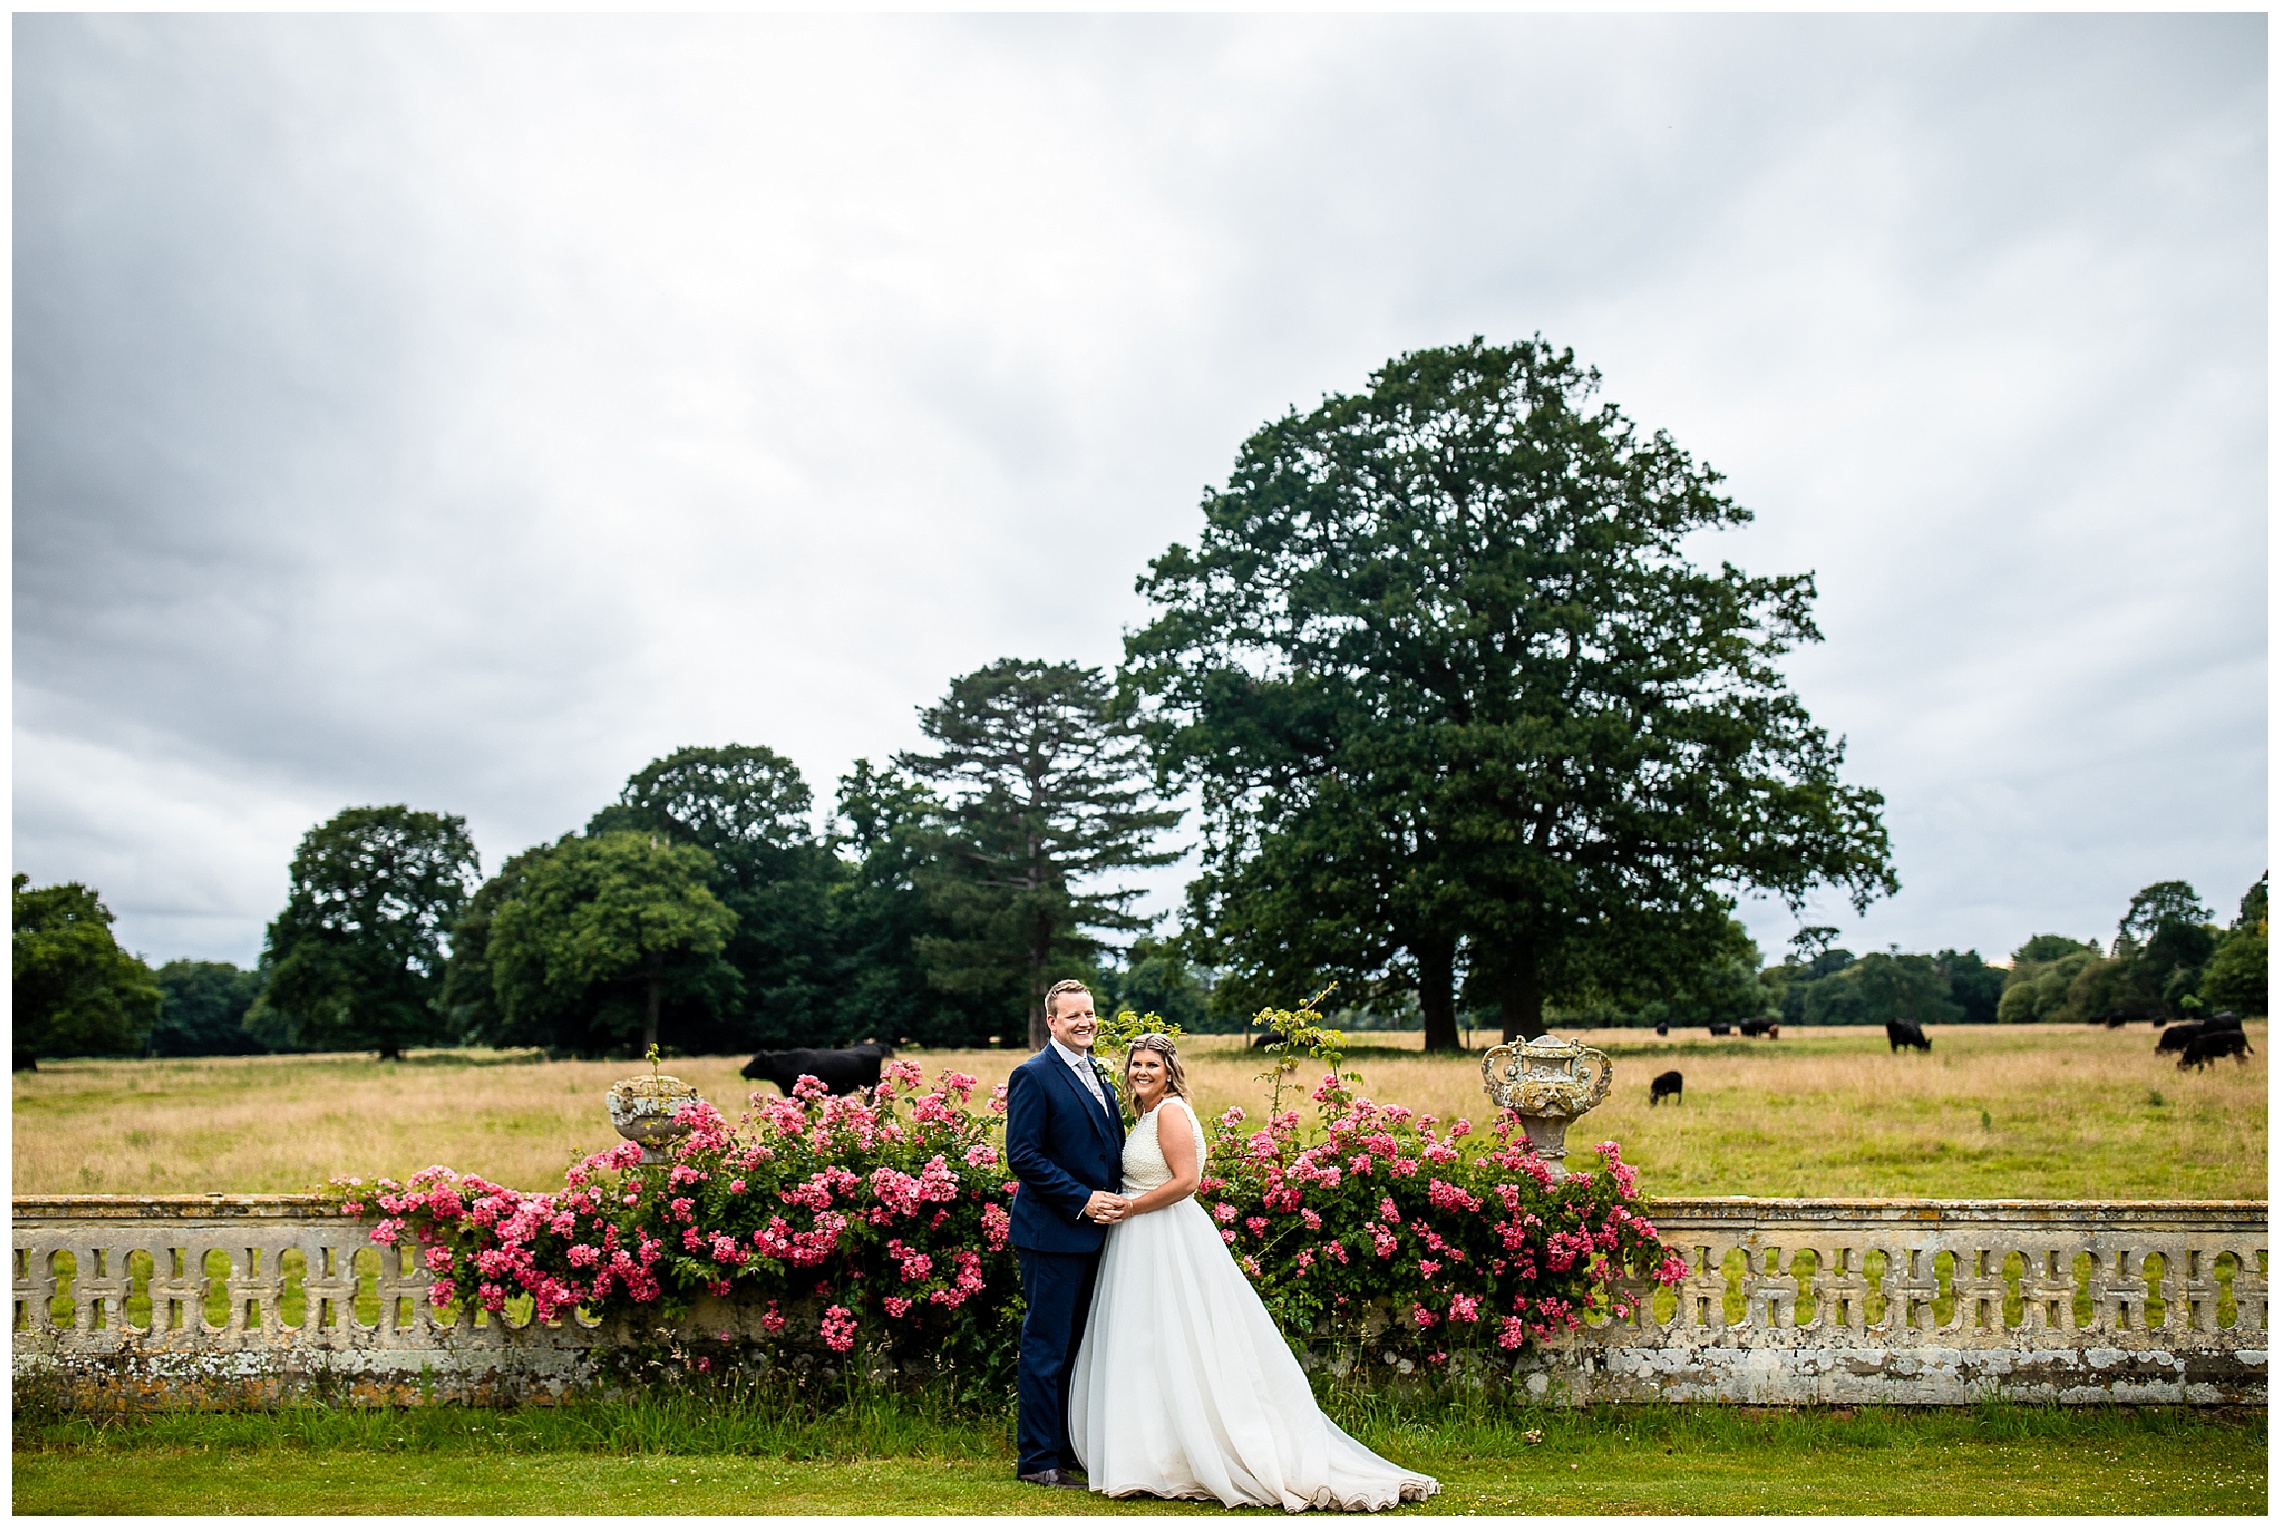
(465, 411)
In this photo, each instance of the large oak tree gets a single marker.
(1451, 687)
(356, 958)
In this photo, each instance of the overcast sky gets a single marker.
(465, 412)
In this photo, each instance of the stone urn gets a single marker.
(1548, 1082)
(642, 1108)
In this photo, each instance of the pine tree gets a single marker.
(1046, 794)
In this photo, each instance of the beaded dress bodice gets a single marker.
(1144, 1164)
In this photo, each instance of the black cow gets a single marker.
(2203, 1049)
(1900, 1033)
(842, 1071)
(1663, 1029)
(1765, 1027)
(25, 1060)
(2177, 1036)
(1721, 1029)
(1668, 1085)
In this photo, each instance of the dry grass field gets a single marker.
(2042, 1112)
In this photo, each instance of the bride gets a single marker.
(1182, 1386)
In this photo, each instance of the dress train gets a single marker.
(1183, 1386)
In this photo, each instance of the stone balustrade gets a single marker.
(1936, 1302)
(244, 1298)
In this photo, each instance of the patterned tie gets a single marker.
(1085, 1070)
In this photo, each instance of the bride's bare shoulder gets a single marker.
(1187, 1109)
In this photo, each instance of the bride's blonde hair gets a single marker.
(1175, 1075)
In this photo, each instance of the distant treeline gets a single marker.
(2167, 960)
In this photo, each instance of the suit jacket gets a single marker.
(1062, 1146)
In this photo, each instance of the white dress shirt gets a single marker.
(1081, 1064)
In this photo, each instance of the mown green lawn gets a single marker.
(642, 1457)
(1945, 1479)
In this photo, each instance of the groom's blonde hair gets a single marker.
(1175, 1075)
(1059, 990)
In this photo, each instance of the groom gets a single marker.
(1064, 1139)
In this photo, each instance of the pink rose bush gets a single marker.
(881, 1220)
(1455, 1242)
(886, 1209)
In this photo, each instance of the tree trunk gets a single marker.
(656, 1001)
(1040, 949)
(1520, 996)
(1436, 991)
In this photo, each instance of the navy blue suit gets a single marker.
(1063, 1147)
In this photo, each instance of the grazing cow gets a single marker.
(25, 1060)
(1900, 1033)
(2203, 1049)
(1721, 1029)
(1668, 1085)
(842, 1071)
(1765, 1027)
(2177, 1036)
(1663, 1029)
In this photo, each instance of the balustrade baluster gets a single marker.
(2049, 1290)
(1844, 1291)
(1777, 1290)
(1703, 1293)
(1979, 1291)
(1911, 1287)
(173, 1294)
(2250, 1289)
(2123, 1303)
(2095, 1275)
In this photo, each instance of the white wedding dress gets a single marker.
(1183, 1387)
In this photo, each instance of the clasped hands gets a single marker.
(1104, 1208)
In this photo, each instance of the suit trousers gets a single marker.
(1058, 1288)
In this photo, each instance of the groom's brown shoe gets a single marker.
(1053, 1478)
